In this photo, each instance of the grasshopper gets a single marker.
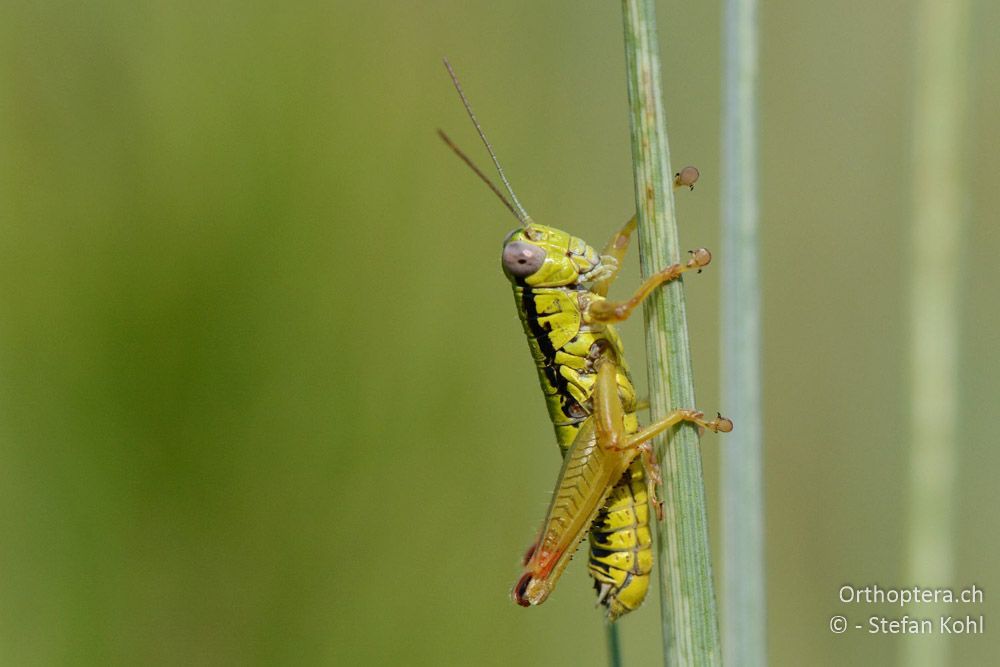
(609, 472)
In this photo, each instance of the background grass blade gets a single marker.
(939, 107)
(744, 608)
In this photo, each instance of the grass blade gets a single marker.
(941, 43)
(744, 609)
(687, 596)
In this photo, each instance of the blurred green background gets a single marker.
(264, 398)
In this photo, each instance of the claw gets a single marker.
(722, 424)
(686, 176)
(699, 258)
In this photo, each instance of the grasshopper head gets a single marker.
(541, 256)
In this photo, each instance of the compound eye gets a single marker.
(522, 259)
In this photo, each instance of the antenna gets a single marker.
(467, 160)
(521, 214)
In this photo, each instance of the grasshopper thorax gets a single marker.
(540, 256)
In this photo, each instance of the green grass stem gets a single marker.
(687, 596)
(614, 645)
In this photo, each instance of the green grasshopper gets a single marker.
(609, 472)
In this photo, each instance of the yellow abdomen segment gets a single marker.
(621, 551)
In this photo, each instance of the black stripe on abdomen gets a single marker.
(570, 407)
